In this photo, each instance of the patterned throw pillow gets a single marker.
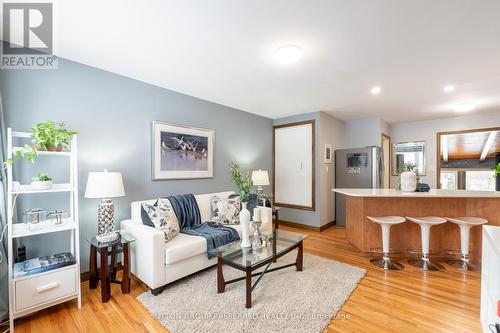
(163, 217)
(226, 211)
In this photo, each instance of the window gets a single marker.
(480, 180)
(449, 180)
(408, 152)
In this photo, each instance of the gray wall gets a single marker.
(113, 116)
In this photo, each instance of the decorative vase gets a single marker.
(408, 181)
(245, 225)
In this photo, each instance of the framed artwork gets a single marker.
(181, 152)
(328, 153)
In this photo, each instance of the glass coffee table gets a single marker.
(276, 244)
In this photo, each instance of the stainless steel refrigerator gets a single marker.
(356, 168)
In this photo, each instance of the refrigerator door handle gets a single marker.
(381, 169)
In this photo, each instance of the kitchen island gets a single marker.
(366, 235)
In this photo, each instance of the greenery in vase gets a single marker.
(497, 170)
(409, 167)
(50, 134)
(43, 177)
(243, 182)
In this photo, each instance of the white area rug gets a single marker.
(283, 301)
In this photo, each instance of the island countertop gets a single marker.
(390, 193)
(366, 235)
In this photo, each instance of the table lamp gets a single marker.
(260, 178)
(105, 185)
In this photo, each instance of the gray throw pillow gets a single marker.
(225, 211)
(163, 217)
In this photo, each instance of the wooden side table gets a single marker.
(107, 272)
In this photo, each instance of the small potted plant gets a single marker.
(497, 176)
(51, 136)
(41, 182)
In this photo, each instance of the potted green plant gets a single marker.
(497, 176)
(27, 152)
(244, 184)
(41, 182)
(51, 136)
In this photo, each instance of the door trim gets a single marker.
(389, 168)
(313, 161)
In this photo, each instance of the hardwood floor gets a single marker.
(406, 301)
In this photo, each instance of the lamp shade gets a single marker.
(260, 177)
(104, 185)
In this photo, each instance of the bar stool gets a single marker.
(425, 224)
(465, 223)
(385, 223)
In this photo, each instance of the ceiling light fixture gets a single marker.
(375, 90)
(288, 54)
(449, 88)
(464, 107)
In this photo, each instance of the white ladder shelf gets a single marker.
(32, 293)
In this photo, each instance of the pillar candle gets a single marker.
(256, 214)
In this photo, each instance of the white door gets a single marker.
(294, 165)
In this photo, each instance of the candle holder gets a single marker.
(33, 217)
(56, 216)
(256, 242)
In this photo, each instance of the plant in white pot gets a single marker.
(244, 184)
(41, 182)
(408, 177)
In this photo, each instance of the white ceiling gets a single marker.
(222, 51)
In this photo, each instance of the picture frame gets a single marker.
(181, 152)
(328, 154)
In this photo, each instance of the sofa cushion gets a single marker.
(184, 246)
(163, 217)
(226, 211)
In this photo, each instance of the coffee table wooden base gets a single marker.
(221, 283)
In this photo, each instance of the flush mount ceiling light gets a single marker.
(288, 54)
(375, 90)
(465, 107)
(449, 88)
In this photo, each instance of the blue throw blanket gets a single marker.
(188, 214)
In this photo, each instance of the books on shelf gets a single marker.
(43, 264)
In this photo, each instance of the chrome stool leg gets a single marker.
(386, 263)
(425, 264)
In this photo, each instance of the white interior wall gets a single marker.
(332, 131)
(426, 131)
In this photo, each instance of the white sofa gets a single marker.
(156, 262)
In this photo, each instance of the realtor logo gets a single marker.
(27, 36)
